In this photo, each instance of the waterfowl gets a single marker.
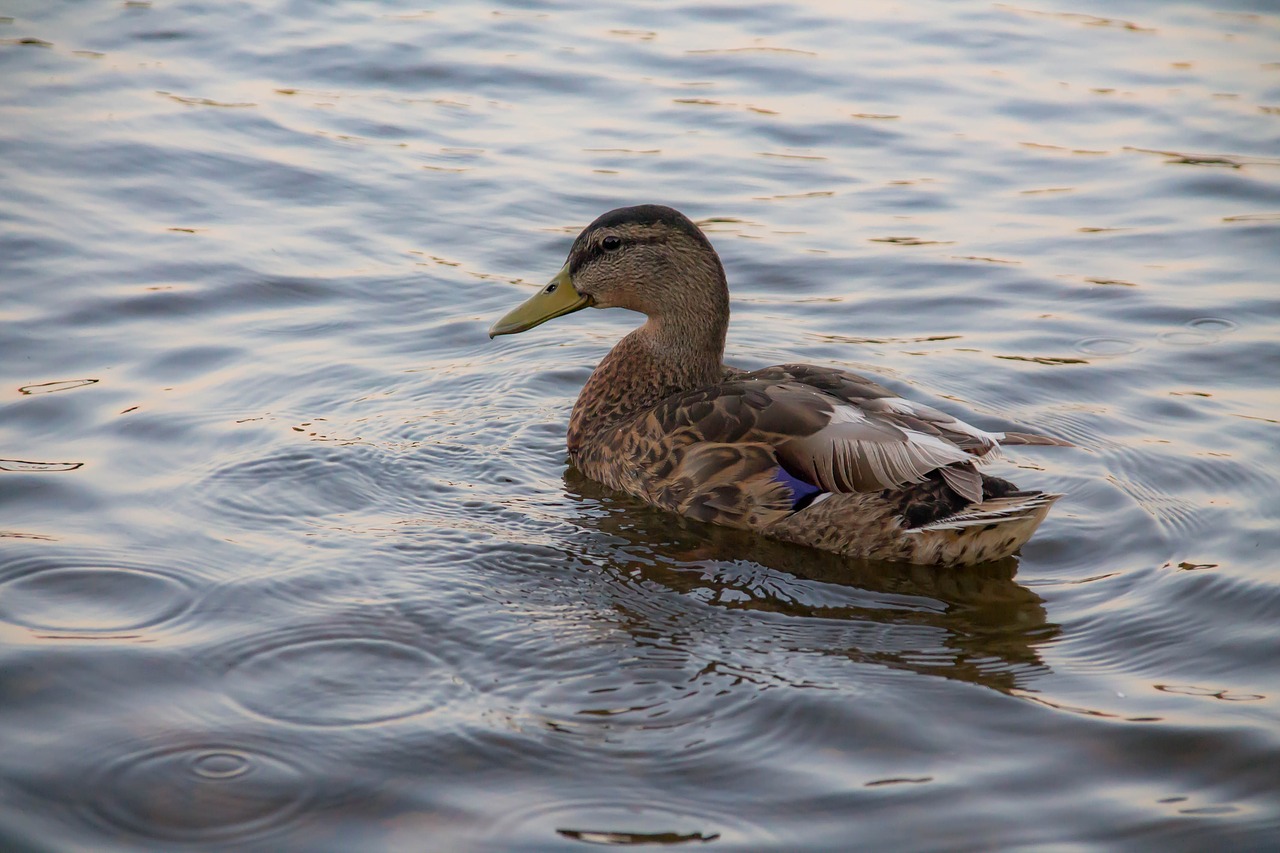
(811, 455)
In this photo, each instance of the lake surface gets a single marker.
(290, 555)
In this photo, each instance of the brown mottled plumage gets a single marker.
(813, 455)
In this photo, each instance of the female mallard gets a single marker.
(806, 454)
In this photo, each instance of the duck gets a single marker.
(811, 455)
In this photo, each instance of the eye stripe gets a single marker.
(594, 250)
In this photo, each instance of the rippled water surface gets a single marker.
(290, 557)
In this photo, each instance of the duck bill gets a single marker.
(558, 298)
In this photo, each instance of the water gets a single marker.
(289, 554)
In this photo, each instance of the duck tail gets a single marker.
(990, 530)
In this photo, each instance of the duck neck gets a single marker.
(668, 354)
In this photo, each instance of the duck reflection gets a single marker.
(975, 623)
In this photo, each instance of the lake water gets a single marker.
(290, 556)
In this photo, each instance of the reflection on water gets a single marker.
(975, 623)
(289, 556)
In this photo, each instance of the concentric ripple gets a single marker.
(199, 793)
(91, 600)
(1198, 332)
(338, 680)
(1107, 346)
(1213, 325)
(1187, 337)
(292, 486)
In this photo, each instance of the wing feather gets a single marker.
(850, 450)
(834, 429)
(870, 396)
(964, 480)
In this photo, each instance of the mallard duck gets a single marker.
(811, 455)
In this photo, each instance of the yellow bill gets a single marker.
(555, 300)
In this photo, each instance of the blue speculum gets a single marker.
(802, 492)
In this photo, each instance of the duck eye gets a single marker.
(611, 242)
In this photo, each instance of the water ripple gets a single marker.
(79, 597)
(297, 483)
(309, 497)
(626, 822)
(201, 792)
(336, 675)
(1107, 346)
(27, 466)
(52, 387)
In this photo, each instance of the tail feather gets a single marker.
(991, 530)
(1015, 507)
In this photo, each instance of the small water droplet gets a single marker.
(220, 765)
(1187, 338)
(1213, 325)
(1107, 346)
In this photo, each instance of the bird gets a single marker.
(812, 455)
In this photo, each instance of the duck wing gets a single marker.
(872, 397)
(835, 443)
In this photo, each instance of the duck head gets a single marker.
(647, 258)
